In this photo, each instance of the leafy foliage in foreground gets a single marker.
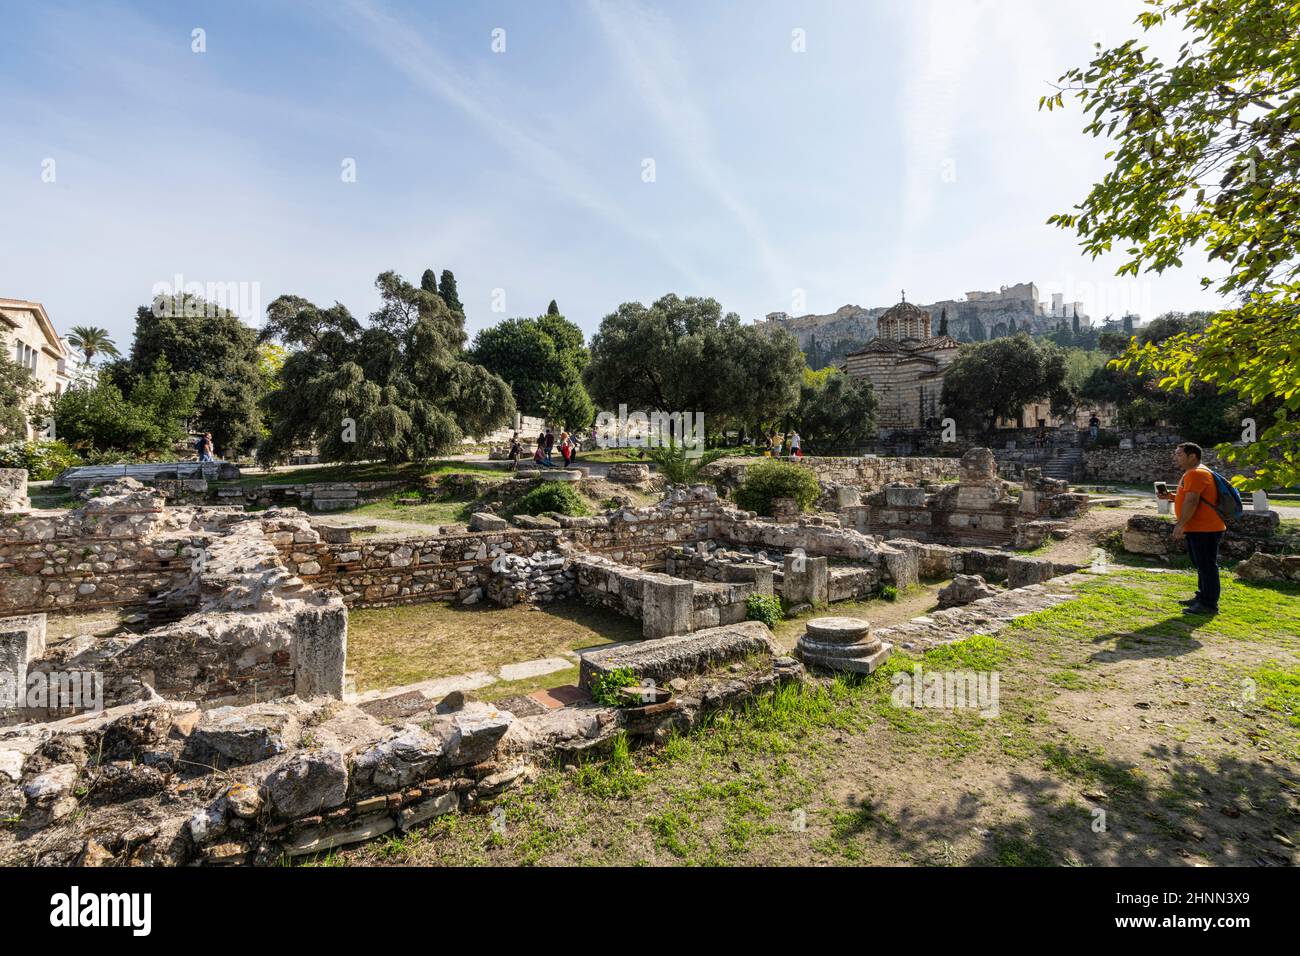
(1207, 156)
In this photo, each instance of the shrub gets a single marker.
(557, 496)
(42, 459)
(767, 479)
(605, 687)
(763, 607)
(888, 593)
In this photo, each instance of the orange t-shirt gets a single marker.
(1206, 518)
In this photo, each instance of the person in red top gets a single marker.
(1200, 524)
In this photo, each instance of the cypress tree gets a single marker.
(429, 281)
(447, 289)
(552, 309)
(943, 322)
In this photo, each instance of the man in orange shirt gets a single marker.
(1200, 524)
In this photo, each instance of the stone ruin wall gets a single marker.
(1146, 464)
(111, 553)
(451, 567)
(234, 624)
(867, 474)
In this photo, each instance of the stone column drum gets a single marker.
(842, 644)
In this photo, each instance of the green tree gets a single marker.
(680, 355)
(91, 340)
(1206, 155)
(398, 388)
(210, 346)
(834, 411)
(552, 309)
(19, 399)
(98, 416)
(997, 379)
(943, 322)
(542, 359)
(429, 281)
(447, 289)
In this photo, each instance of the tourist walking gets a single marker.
(1199, 522)
(566, 448)
(796, 448)
(204, 447)
(516, 449)
(1094, 426)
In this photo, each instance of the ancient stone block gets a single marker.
(682, 655)
(963, 589)
(320, 649)
(418, 813)
(628, 472)
(22, 640)
(807, 580)
(307, 782)
(1022, 572)
(483, 521)
(244, 735)
(904, 497)
(666, 607)
(1269, 567)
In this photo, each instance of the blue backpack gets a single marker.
(1229, 504)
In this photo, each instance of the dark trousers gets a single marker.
(1203, 548)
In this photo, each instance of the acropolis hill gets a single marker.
(978, 316)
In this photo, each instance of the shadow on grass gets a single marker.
(1171, 637)
(1226, 812)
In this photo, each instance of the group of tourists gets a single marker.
(779, 445)
(548, 443)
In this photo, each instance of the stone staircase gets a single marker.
(1067, 464)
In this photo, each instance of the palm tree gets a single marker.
(90, 340)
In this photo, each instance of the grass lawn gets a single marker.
(1125, 733)
(411, 471)
(403, 645)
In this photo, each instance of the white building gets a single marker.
(31, 340)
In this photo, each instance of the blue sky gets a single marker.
(902, 148)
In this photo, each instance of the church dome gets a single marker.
(904, 321)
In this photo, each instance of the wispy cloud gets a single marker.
(650, 55)
(426, 67)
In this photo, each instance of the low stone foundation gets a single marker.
(1253, 532)
(666, 605)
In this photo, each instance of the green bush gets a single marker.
(888, 593)
(767, 479)
(763, 607)
(42, 459)
(557, 496)
(605, 687)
